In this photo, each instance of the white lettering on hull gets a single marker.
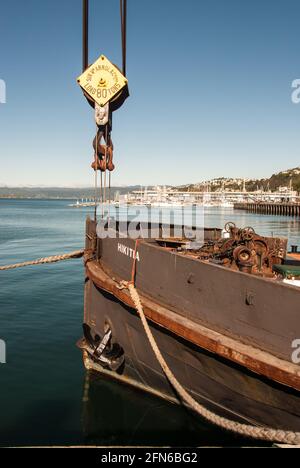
(125, 250)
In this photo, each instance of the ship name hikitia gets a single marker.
(124, 249)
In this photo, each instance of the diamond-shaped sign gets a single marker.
(102, 80)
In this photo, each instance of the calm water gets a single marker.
(41, 307)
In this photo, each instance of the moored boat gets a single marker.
(224, 323)
(203, 316)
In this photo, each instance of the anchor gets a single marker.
(109, 356)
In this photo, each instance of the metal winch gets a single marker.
(244, 250)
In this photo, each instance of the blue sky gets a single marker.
(210, 84)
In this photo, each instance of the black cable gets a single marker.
(85, 34)
(123, 15)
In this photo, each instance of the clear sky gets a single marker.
(210, 84)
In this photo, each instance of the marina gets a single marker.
(150, 261)
(169, 196)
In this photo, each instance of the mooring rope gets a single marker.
(246, 430)
(39, 261)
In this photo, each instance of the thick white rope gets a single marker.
(52, 259)
(256, 432)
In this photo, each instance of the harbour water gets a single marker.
(47, 398)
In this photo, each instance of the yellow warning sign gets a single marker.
(102, 80)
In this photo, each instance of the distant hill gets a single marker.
(58, 192)
(282, 179)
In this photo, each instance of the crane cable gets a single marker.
(123, 18)
(123, 15)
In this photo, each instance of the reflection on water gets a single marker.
(41, 309)
(114, 414)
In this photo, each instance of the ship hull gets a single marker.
(218, 371)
